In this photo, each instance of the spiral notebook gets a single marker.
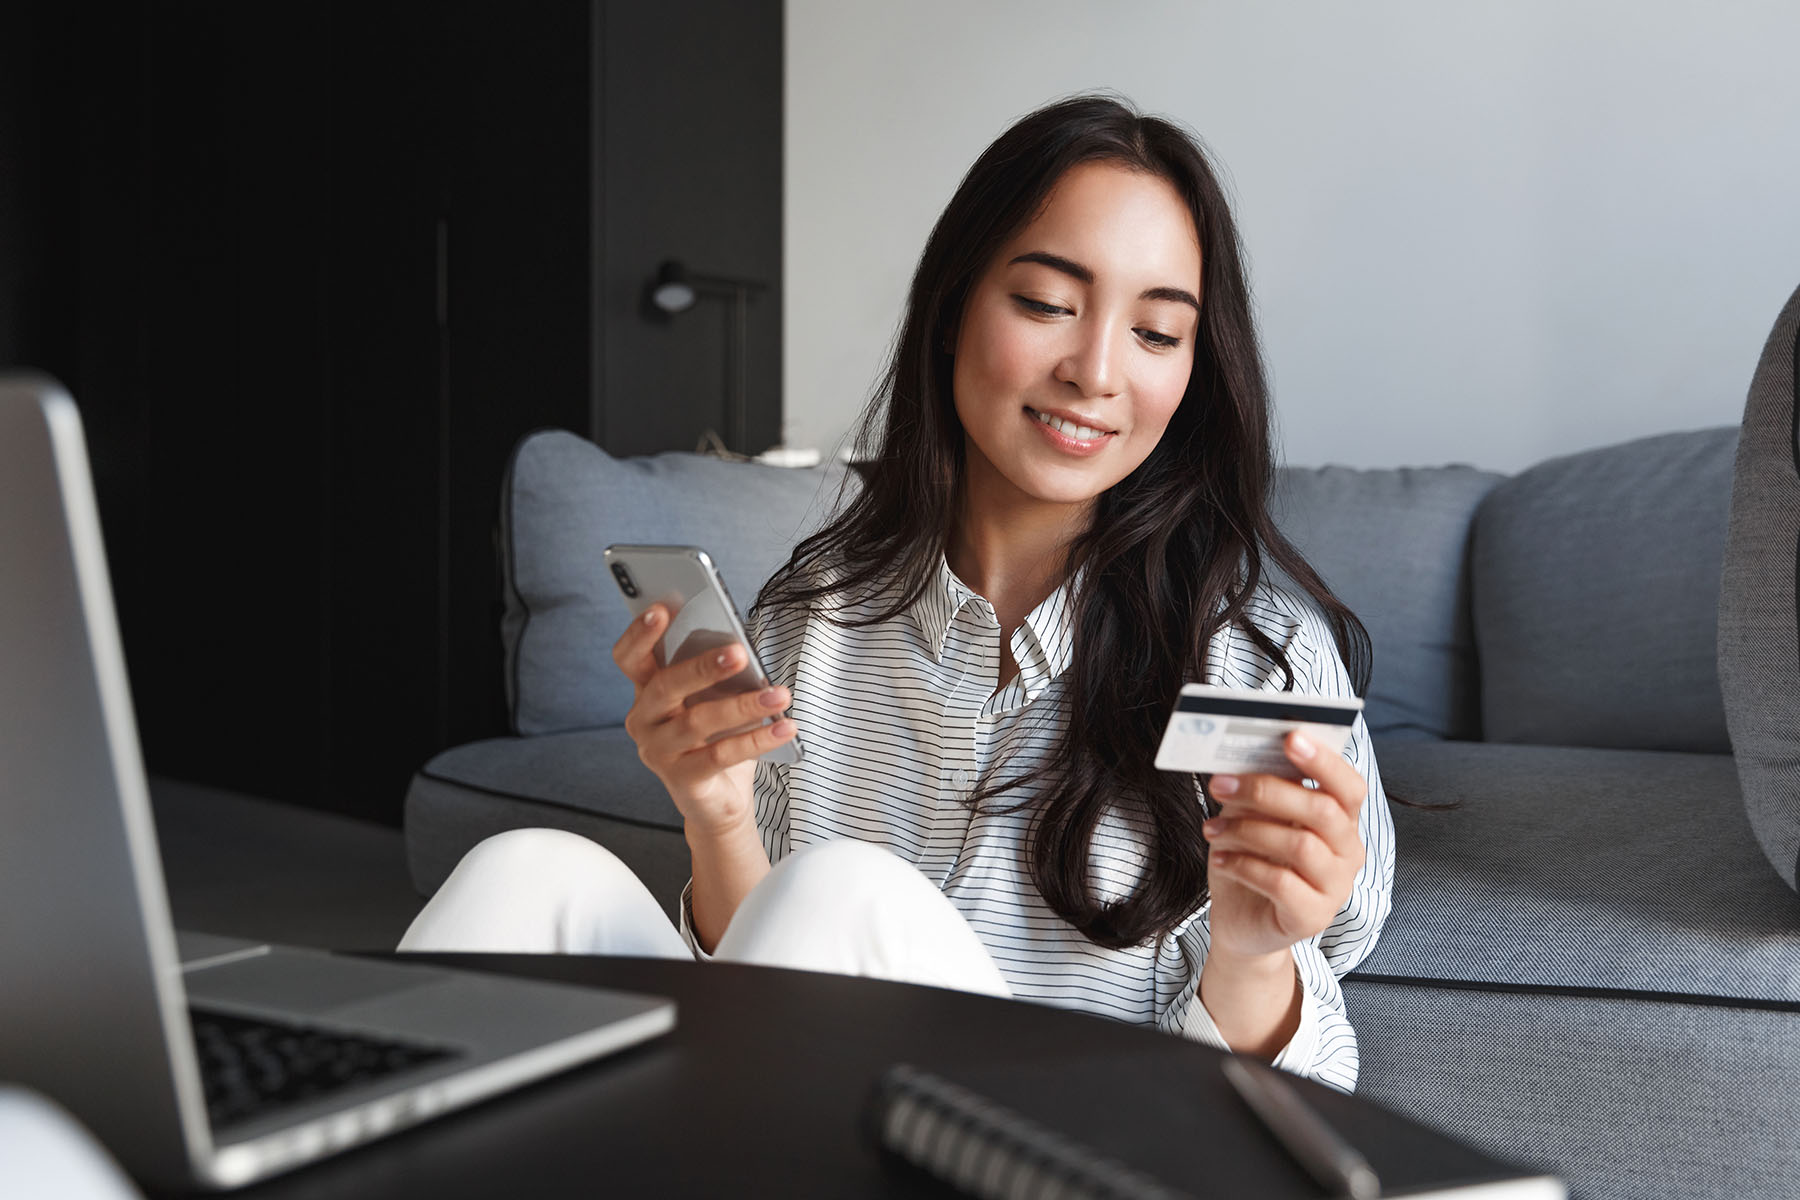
(1150, 1126)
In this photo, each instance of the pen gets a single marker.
(1327, 1157)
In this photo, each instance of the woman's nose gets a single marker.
(1092, 363)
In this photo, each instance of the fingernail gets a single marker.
(1211, 828)
(724, 657)
(783, 727)
(772, 698)
(1224, 785)
(651, 618)
(1300, 746)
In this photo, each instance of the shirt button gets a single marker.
(962, 779)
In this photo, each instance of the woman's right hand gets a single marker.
(709, 782)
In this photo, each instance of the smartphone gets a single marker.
(702, 617)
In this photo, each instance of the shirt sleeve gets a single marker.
(1352, 935)
(687, 923)
(1318, 669)
(1324, 1046)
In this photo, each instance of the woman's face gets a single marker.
(1087, 316)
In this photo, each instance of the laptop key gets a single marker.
(253, 1065)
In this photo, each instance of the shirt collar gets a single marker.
(1044, 645)
(938, 605)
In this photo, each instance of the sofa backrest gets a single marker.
(1391, 543)
(1572, 604)
(1595, 601)
(564, 500)
(1393, 546)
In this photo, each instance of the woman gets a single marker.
(1063, 519)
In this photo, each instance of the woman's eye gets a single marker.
(1161, 341)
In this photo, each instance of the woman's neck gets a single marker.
(1012, 548)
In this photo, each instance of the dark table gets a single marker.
(757, 1091)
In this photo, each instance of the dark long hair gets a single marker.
(1173, 553)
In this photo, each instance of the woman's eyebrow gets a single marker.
(1178, 295)
(1056, 262)
(1070, 267)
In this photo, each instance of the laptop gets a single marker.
(196, 1059)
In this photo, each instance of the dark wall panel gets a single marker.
(311, 273)
(37, 186)
(231, 315)
(519, 257)
(385, 411)
(166, 218)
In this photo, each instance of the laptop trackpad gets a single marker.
(299, 982)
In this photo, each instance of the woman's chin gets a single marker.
(1032, 476)
(1058, 488)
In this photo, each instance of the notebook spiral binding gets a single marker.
(988, 1150)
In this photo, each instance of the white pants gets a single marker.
(845, 907)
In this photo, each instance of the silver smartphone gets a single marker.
(684, 580)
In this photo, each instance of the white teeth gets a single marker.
(1080, 433)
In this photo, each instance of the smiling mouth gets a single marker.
(1081, 433)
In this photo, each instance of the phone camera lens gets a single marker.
(624, 578)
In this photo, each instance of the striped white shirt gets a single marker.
(899, 721)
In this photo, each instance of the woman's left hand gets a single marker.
(1284, 856)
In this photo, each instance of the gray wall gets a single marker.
(1480, 233)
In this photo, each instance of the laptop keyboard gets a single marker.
(251, 1065)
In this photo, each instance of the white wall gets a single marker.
(1481, 233)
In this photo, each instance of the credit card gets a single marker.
(1237, 731)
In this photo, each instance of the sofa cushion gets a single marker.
(1759, 641)
(1571, 867)
(565, 500)
(1393, 545)
(590, 770)
(589, 782)
(1624, 1099)
(1596, 595)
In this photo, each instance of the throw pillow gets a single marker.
(565, 500)
(1393, 545)
(1596, 595)
(1759, 640)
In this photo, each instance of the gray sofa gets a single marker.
(1593, 960)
